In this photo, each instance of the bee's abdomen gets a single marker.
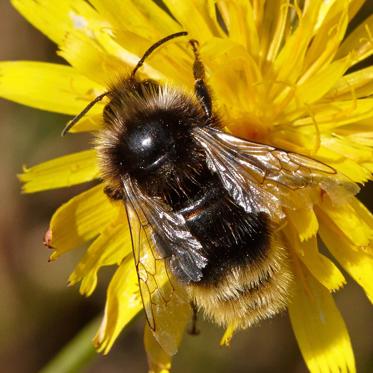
(247, 294)
(247, 276)
(230, 237)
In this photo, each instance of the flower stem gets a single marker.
(76, 354)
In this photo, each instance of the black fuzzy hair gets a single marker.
(133, 102)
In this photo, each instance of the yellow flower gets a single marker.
(280, 73)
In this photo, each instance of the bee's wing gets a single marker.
(159, 236)
(263, 178)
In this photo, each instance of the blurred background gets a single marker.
(39, 314)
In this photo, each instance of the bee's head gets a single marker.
(132, 77)
(148, 135)
(148, 132)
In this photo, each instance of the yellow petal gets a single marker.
(348, 221)
(359, 133)
(90, 122)
(319, 265)
(354, 170)
(329, 117)
(346, 148)
(358, 173)
(276, 38)
(168, 64)
(110, 248)
(191, 16)
(357, 84)
(207, 8)
(319, 84)
(354, 7)
(361, 210)
(128, 41)
(346, 156)
(56, 19)
(123, 302)
(271, 28)
(158, 360)
(359, 43)
(228, 335)
(61, 172)
(88, 57)
(318, 326)
(227, 61)
(76, 27)
(46, 86)
(352, 258)
(82, 218)
(147, 21)
(289, 62)
(327, 11)
(238, 17)
(328, 38)
(305, 222)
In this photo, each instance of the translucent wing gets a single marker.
(263, 178)
(160, 241)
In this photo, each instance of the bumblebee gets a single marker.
(204, 207)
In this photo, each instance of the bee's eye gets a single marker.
(146, 144)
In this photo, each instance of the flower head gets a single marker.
(281, 73)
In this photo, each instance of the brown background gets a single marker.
(39, 314)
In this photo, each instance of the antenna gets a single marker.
(154, 47)
(82, 113)
(138, 65)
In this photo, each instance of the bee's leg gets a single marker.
(200, 88)
(114, 193)
(193, 330)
